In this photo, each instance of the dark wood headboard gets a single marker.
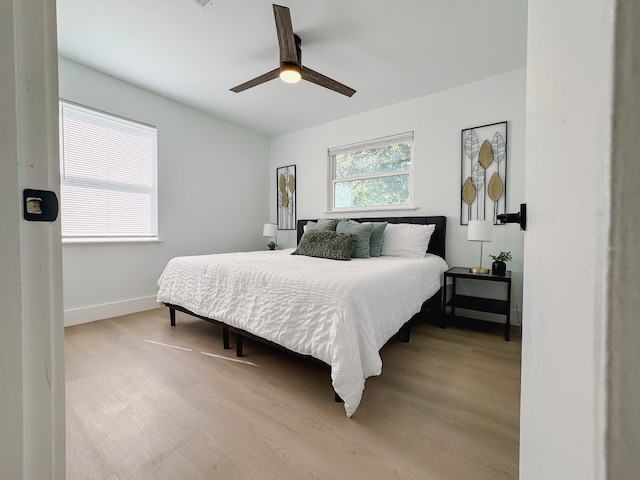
(437, 244)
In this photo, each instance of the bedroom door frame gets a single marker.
(32, 420)
(579, 408)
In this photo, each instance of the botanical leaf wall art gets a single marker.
(471, 145)
(468, 194)
(286, 197)
(484, 172)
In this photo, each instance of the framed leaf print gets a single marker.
(483, 190)
(286, 197)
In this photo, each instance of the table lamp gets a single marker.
(480, 231)
(271, 230)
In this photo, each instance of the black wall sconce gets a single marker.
(520, 217)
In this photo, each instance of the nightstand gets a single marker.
(489, 305)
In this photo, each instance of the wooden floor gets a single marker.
(445, 407)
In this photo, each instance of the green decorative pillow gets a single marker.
(326, 244)
(362, 231)
(324, 224)
(377, 234)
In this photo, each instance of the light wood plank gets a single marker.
(445, 407)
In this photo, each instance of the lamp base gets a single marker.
(479, 270)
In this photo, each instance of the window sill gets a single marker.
(109, 241)
(371, 209)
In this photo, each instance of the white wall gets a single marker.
(569, 93)
(437, 121)
(214, 178)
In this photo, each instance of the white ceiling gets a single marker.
(389, 51)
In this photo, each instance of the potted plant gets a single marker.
(272, 245)
(499, 266)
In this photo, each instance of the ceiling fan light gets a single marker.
(290, 74)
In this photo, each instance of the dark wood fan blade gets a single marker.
(286, 38)
(326, 82)
(257, 81)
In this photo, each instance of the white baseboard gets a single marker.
(76, 316)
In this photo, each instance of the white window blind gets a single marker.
(108, 169)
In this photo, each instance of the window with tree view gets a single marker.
(372, 174)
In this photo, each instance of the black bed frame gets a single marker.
(437, 246)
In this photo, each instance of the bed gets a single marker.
(339, 312)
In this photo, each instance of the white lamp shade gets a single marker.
(270, 230)
(480, 230)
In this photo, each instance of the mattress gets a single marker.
(340, 312)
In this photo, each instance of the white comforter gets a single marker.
(339, 312)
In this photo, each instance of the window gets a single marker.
(108, 170)
(372, 174)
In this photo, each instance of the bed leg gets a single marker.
(172, 316)
(405, 333)
(225, 337)
(337, 398)
(239, 341)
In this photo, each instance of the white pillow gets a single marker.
(406, 240)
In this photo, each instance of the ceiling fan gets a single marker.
(291, 69)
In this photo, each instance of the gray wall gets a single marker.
(623, 438)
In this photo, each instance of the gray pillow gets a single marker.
(377, 234)
(326, 244)
(362, 231)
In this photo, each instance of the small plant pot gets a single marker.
(499, 268)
